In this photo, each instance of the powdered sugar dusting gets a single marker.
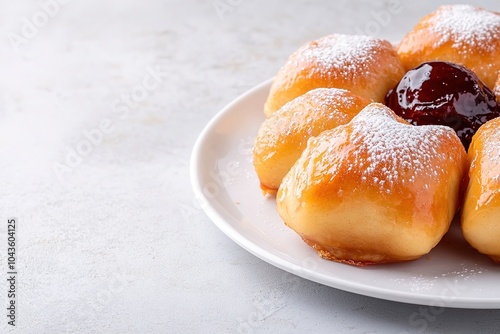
(491, 140)
(323, 99)
(346, 55)
(466, 27)
(379, 151)
(488, 155)
(307, 112)
(496, 89)
(391, 152)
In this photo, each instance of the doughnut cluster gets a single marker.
(372, 149)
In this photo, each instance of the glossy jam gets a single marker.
(444, 93)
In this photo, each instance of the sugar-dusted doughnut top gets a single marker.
(485, 169)
(363, 65)
(382, 151)
(466, 27)
(339, 55)
(462, 34)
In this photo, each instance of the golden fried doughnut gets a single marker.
(375, 190)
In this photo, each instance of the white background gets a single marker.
(114, 243)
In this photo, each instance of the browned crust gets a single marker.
(348, 256)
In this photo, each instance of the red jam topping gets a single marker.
(444, 93)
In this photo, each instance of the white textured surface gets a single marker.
(117, 244)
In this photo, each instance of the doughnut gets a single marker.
(481, 209)
(366, 66)
(283, 136)
(375, 190)
(461, 34)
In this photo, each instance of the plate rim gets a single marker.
(353, 287)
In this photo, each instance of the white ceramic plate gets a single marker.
(224, 181)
